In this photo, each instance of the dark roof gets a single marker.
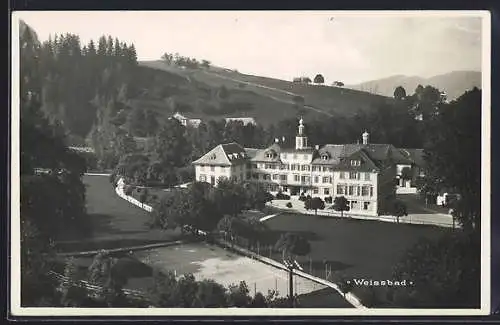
(415, 155)
(224, 154)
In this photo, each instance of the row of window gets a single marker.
(360, 205)
(354, 190)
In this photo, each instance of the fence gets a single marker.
(121, 193)
(385, 218)
(93, 288)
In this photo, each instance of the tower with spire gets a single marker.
(301, 138)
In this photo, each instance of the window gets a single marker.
(371, 191)
(355, 162)
(326, 179)
(325, 169)
(341, 175)
(255, 176)
(316, 179)
(315, 191)
(314, 168)
(302, 179)
(307, 168)
(296, 178)
(283, 177)
(326, 191)
(366, 205)
(267, 177)
(353, 175)
(358, 191)
(254, 166)
(351, 190)
(354, 204)
(212, 168)
(275, 177)
(307, 179)
(212, 180)
(303, 167)
(367, 176)
(365, 190)
(340, 189)
(282, 167)
(203, 178)
(324, 157)
(293, 167)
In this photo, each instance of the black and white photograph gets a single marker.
(250, 163)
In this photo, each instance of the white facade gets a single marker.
(328, 171)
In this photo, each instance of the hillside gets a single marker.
(167, 89)
(274, 99)
(454, 83)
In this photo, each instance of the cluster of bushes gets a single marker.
(289, 205)
(281, 196)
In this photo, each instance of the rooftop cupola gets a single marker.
(366, 137)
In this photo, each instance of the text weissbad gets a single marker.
(365, 282)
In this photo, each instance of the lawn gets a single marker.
(355, 248)
(116, 223)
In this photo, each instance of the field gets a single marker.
(211, 262)
(355, 248)
(116, 222)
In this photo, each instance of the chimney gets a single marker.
(366, 136)
(276, 140)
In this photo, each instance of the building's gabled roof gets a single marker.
(262, 154)
(367, 163)
(186, 115)
(252, 152)
(224, 155)
(333, 153)
(415, 155)
(245, 120)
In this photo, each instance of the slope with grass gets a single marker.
(272, 99)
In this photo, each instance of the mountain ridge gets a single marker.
(453, 83)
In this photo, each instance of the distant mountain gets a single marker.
(454, 83)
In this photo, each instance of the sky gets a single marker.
(349, 47)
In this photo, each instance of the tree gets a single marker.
(399, 209)
(292, 244)
(230, 197)
(445, 273)
(340, 203)
(406, 173)
(239, 295)
(205, 64)
(314, 204)
(457, 129)
(399, 93)
(73, 291)
(319, 79)
(210, 295)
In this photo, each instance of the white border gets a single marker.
(485, 309)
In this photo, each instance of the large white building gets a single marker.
(356, 171)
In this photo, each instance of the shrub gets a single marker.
(289, 205)
(302, 197)
(129, 190)
(281, 196)
(328, 199)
